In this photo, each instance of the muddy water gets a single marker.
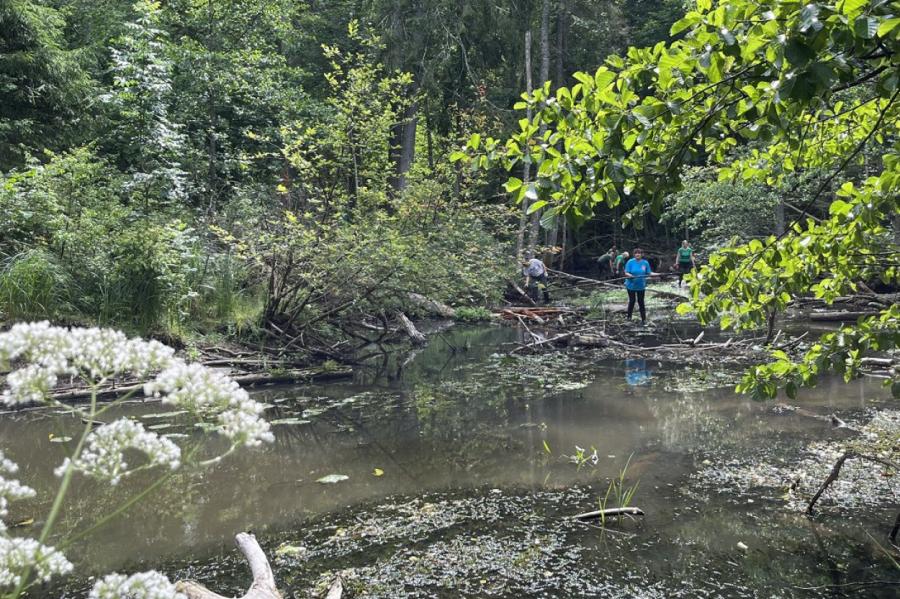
(459, 479)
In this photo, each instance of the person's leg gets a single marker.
(640, 300)
(631, 298)
(542, 282)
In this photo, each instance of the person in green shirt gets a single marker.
(606, 262)
(621, 259)
(684, 258)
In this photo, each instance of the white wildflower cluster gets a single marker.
(206, 393)
(10, 490)
(144, 585)
(48, 352)
(18, 555)
(104, 455)
(41, 353)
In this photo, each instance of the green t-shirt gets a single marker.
(620, 259)
(684, 255)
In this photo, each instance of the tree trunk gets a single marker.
(429, 140)
(263, 585)
(404, 145)
(562, 34)
(895, 220)
(545, 76)
(526, 175)
(779, 217)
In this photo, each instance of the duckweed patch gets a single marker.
(796, 478)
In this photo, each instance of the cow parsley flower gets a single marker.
(104, 455)
(144, 585)
(42, 353)
(27, 385)
(48, 352)
(10, 490)
(206, 393)
(18, 554)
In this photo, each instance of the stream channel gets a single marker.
(456, 481)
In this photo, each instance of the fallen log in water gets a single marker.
(432, 306)
(609, 513)
(263, 585)
(246, 379)
(611, 284)
(840, 316)
(414, 334)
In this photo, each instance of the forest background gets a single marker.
(238, 167)
(285, 170)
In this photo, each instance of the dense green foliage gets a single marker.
(266, 167)
(764, 91)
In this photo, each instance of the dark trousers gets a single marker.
(684, 268)
(538, 286)
(639, 296)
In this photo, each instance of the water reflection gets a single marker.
(636, 372)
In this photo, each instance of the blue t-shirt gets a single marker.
(640, 269)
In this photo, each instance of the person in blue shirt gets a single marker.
(636, 272)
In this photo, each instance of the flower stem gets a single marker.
(126, 505)
(60, 493)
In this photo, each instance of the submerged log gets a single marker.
(609, 512)
(841, 316)
(263, 585)
(432, 306)
(414, 334)
(590, 340)
(245, 379)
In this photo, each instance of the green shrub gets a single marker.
(475, 314)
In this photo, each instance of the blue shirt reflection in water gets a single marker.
(636, 373)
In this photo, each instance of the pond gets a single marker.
(455, 477)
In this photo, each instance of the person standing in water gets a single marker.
(684, 258)
(636, 272)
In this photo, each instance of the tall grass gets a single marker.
(33, 285)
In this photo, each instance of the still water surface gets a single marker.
(459, 483)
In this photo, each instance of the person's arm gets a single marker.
(693, 261)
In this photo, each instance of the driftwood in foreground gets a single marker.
(609, 513)
(263, 585)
